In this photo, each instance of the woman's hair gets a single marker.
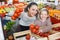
(29, 5)
(43, 9)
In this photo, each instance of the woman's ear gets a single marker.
(47, 16)
(28, 9)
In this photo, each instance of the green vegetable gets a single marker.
(9, 25)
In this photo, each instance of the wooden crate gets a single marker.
(21, 33)
(54, 36)
(38, 37)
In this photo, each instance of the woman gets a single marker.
(28, 16)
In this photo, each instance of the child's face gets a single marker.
(32, 10)
(44, 15)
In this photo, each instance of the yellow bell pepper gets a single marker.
(2, 11)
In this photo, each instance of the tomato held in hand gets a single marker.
(32, 26)
(37, 27)
(35, 31)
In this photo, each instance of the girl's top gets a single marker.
(44, 26)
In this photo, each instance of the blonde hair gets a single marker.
(43, 9)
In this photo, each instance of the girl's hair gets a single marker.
(43, 9)
(29, 5)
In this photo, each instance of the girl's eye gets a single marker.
(33, 9)
(37, 10)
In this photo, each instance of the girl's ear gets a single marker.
(48, 15)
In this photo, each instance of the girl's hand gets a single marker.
(40, 31)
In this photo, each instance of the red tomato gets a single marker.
(13, 18)
(32, 26)
(40, 34)
(37, 27)
(28, 36)
(21, 9)
(43, 34)
(37, 33)
(59, 27)
(34, 31)
(27, 39)
(17, 10)
(3, 15)
(16, 15)
(56, 28)
(19, 14)
(46, 35)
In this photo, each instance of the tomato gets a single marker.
(32, 26)
(59, 27)
(34, 31)
(31, 30)
(43, 34)
(28, 36)
(27, 39)
(56, 28)
(40, 33)
(3, 15)
(46, 35)
(37, 27)
(16, 15)
(19, 14)
(13, 18)
(37, 33)
(21, 9)
(17, 10)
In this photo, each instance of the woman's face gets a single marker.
(32, 10)
(43, 15)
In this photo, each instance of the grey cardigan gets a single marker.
(44, 26)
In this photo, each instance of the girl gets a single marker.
(43, 20)
(28, 16)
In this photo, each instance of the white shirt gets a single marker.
(25, 19)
